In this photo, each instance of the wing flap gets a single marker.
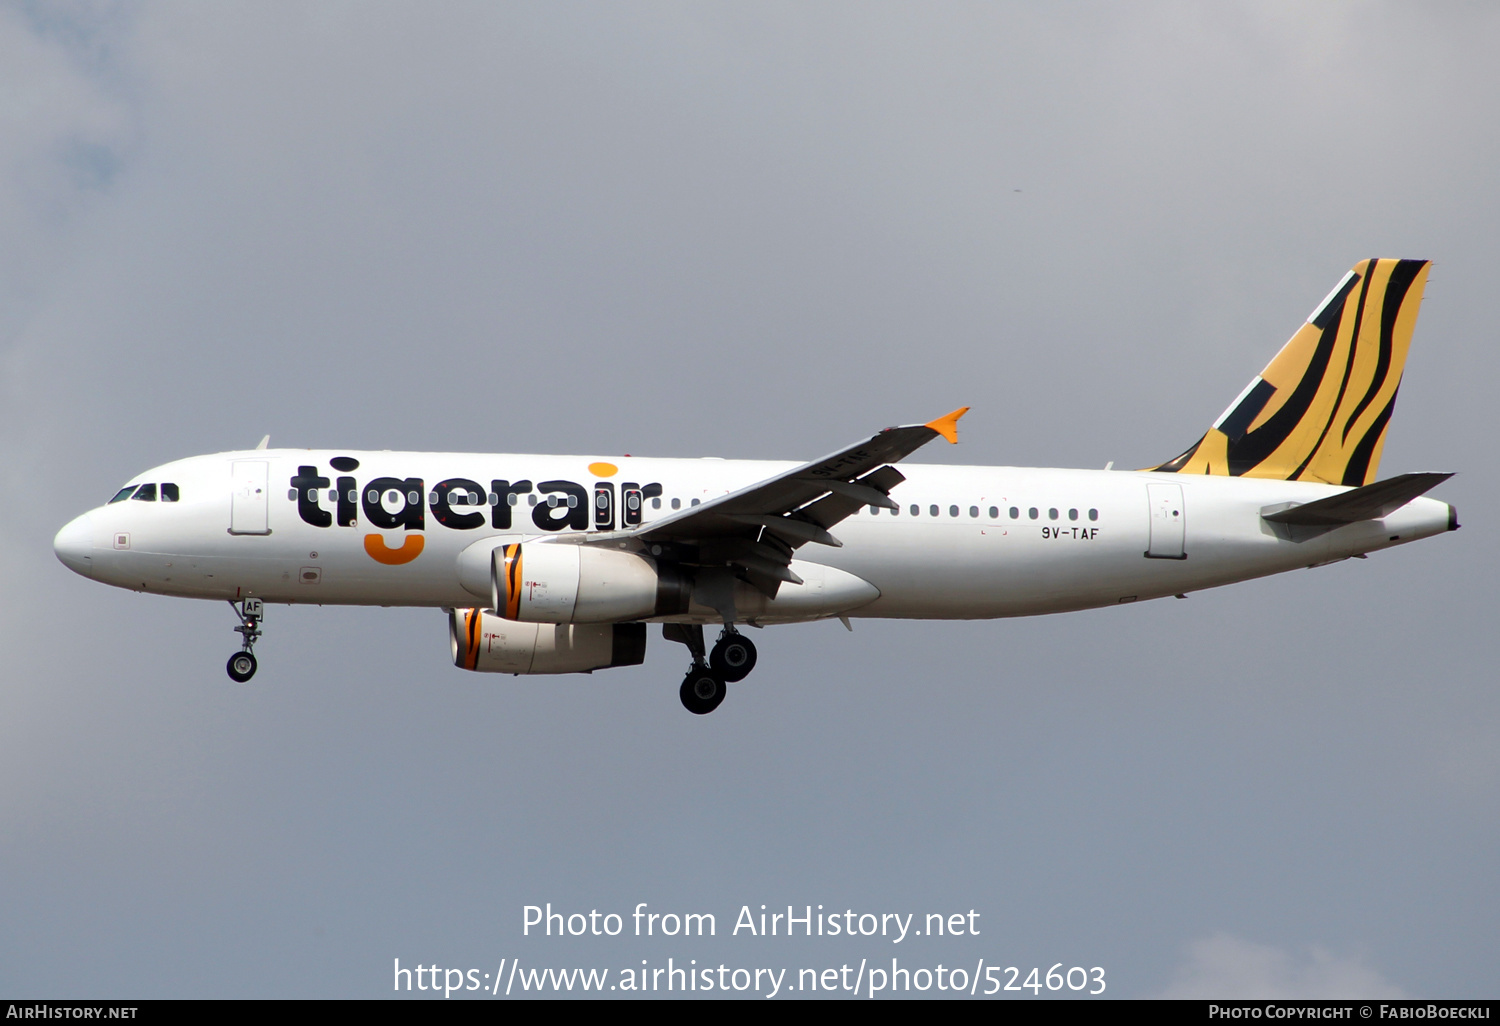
(837, 505)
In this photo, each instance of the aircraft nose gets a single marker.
(74, 546)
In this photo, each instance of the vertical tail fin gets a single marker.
(1320, 409)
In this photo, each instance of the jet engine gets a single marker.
(542, 582)
(492, 644)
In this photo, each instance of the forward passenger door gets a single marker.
(249, 501)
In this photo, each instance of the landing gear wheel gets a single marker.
(701, 691)
(733, 657)
(241, 667)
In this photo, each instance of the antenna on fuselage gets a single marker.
(264, 442)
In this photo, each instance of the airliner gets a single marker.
(557, 564)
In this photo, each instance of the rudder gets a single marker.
(1320, 409)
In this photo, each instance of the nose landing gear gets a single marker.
(241, 666)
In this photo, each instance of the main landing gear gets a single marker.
(732, 659)
(701, 691)
(241, 665)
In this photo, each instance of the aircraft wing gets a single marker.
(755, 529)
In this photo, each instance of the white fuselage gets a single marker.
(1077, 539)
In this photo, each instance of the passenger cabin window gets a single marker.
(916, 510)
(145, 493)
(693, 503)
(953, 511)
(1032, 513)
(1052, 513)
(933, 510)
(169, 492)
(1093, 514)
(1015, 514)
(656, 504)
(676, 503)
(974, 511)
(1072, 514)
(122, 494)
(995, 513)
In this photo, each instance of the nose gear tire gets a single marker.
(241, 667)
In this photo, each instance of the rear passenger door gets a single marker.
(1168, 522)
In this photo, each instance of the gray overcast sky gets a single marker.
(745, 230)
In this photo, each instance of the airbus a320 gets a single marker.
(557, 564)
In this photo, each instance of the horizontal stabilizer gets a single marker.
(1370, 502)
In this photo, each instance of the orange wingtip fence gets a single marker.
(948, 426)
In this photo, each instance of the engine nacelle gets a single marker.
(492, 644)
(547, 582)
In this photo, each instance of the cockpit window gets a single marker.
(145, 493)
(122, 494)
(168, 492)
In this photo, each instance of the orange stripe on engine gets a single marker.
(512, 581)
(471, 658)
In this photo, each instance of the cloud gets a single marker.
(65, 127)
(1225, 966)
